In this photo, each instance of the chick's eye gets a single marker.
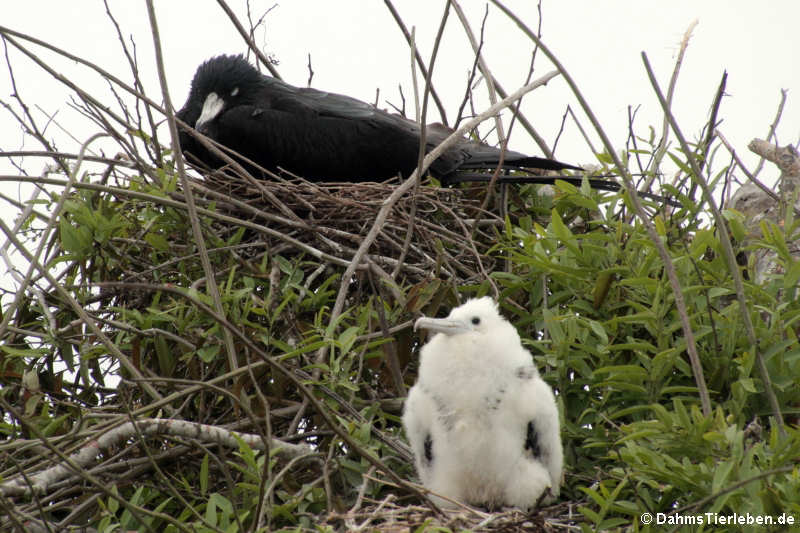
(476, 320)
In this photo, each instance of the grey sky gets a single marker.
(356, 48)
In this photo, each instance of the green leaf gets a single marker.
(598, 330)
(747, 384)
(208, 353)
(591, 515)
(204, 475)
(166, 360)
(113, 502)
(348, 338)
(157, 241)
(792, 276)
(738, 230)
(721, 472)
(559, 228)
(778, 348)
(633, 372)
(75, 240)
(33, 353)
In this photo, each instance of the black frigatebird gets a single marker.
(324, 136)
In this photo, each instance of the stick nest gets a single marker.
(430, 232)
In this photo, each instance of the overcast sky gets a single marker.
(356, 48)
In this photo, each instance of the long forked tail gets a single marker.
(517, 161)
(596, 182)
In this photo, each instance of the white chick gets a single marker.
(482, 423)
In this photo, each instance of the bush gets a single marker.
(276, 404)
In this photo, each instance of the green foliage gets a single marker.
(599, 315)
(585, 287)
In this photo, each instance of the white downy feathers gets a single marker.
(482, 423)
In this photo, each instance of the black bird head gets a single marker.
(219, 83)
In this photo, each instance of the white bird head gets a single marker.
(476, 317)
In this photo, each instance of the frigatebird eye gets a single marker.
(235, 91)
(476, 320)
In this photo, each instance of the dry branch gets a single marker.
(785, 158)
(147, 427)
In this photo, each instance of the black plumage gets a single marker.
(324, 136)
(532, 441)
(428, 449)
(320, 135)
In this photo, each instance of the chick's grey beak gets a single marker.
(442, 325)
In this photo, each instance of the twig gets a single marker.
(137, 83)
(769, 192)
(704, 149)
(730, 488)
(730, 257)
(407, 35)
(421, 118)
(661, 150)
(772, 128)
(389, 203)
(137, 511)
(243, 32)
(211, 283)
(81, 312)
(785, 158)
(669, 267)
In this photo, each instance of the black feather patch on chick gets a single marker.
(532, 441)
(428, 445)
